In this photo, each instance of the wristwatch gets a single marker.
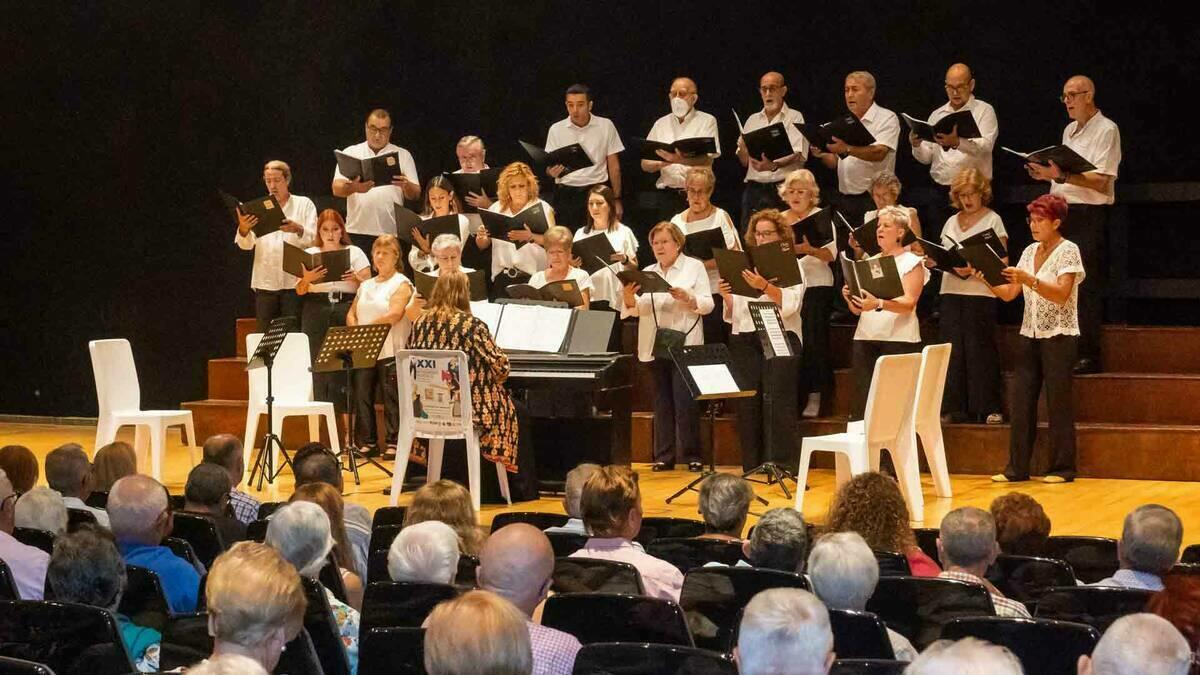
(1036, 282)
(1062, 177)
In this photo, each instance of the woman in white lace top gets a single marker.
(1048, 275)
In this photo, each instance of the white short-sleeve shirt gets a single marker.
(1099, 142)
(668, 129)
(885, 326)
(971, 152)
(719, 218)
(854, 174)
(358, 262)
(373, 299)
(576, 274)
(267, 273)
(374, 212)
(530, 258)
(952, 234)
(789, 118)
(661, 310)
(1044, 318)
(599, 139)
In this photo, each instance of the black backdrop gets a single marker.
(122, 119)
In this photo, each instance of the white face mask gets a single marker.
(679, 107)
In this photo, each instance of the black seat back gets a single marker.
(643, 658)
(867, 667)
(467, 571)
(1025, 578)
(688, 554)
(617, 617)
(13, 666)
(182, 548)
(98, 499)
(265, 509)
(388, 515)
(201, 532)
(1191, 555)
(591, 575)
(713, 597)
(1042, 645)
(565, 543)
(859, 635)
(377, 566)
(300, 657)
(322, 629)
(1091, 558)
(918, 607)
(39, 539)
(69, 639)
(8, 584)
(144, 601)
(927, 541)
(383, 536)
(77, 517)
(401, 604)
(535, 518)
(661, 527)
(185, 641)
(392, 650)
(1097, 606)
(331, 578)
(892, 564)
(257, 530)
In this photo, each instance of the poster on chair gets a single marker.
(437, 392)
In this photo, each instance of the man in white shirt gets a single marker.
(763, 175)
(684, 121)
(472, 158)
(371, 208)
(274, 289)
(69, 472)
(26, 563)
(600, 141)
(1089, 195)
(856, 166)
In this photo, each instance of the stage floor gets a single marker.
(1087, 506)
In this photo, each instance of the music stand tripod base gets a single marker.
(775, 474)
(264, 356)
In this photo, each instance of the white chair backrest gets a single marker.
(931, 383)
(291, 381)
(404, 373)
(893, 386)
(116, 376)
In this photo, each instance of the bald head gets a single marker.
(516, 563)
(959, 70)
(1079, 98)
(1083, 82)
(772, 89)
(684, 83)
(960, 83)
(137, 510)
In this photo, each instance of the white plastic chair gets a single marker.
(888, 407)
(292, 386)
(926, 419)
(437, 442)
(119, 399)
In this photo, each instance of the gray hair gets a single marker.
(207, 484)
(784, 630)
(470, 140)
(968, 536)
(1151, 539)
(42, 509)
(897, 215)
(573, 488)
(134, 506)
(779, 540)
(280, 166)
(889, 180)
(445, 241)
(87, 568)
(864, 77)
(300, 532)
(427, 552)
(1141, 644)
(843, 570)
(223, 450)
(724, 502)
(968, 656)
(67, 466)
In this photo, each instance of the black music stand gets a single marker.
(687, 358)
(346, 348)
(264, 356)
(768, 324)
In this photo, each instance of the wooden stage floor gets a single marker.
(1087, 506)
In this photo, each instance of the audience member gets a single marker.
(69, 472)
(871, 505)
(314, 463)
(572, 493)
(967, 547)
(27, 564)
(517, 563)
(207, 493)
(1149, 547)
(227, 664)
(724, 505)
(86, 568)
(426, 552)
(1022, 526)
(784, 631)
(21, 466)
(779, 541)
(612, 512)
(1179, 603)
(450, 503)
(42, 509)
(1139, 644)
(844, 572)
(968, 656)
(112, 463)
(332, 504)
(496, 642)
(225, 451)
(140, 515)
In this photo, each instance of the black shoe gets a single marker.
(662, 466)
(1086, 367)
(695, 467)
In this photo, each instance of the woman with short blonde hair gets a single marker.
(516, 190)
(479, 633)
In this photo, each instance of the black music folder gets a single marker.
(879, 277)
(963, 119)
(266, 209)
(425, 283)
(700, 244)
(984, 259)
(771, 141)
(848, 274)
(774, 261)
(595, 252)
(865, 236)
(1067, 159)
(730, 265)
(945, 259)
(499, 225)
(649, 282)
(381, 168)
(988, 237)
(406, 220)
(700, 146)
(482, 183)
(572, 157)
(336, 262)
(847, 127)
(566, 291)
(817, 228)
(433, 227)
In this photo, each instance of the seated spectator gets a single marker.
(479, 633)
(332, 504)
(1148, 549)
(1022, 526)
(86, 568)
(967, 546)
(784, 631)
(255, 607)
(21, 466)
(207, 494)
(779, 541)
(724, 506)
(844, 572)
(140, 515)
(112, 463)
(1139, 644)
(612, 512)
(572, 491)
(426, 552)
(69, 472)
(314, 463)
(968, 656)
(27, 563)
(225, 451)
(300, 532)
(871, 505)
(1179, 603)
(448, 502)
(42, 509)
(517, 563)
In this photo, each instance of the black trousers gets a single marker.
(666, 203)
(816, 359)
(365, 381)
(366, 241)
(766, 422)
(935, 211)
(968, 323)
(1087, 226)
(716, 329)
(570, 206)
(676, 416)
(863, 357)
(1048, 362)
(757, 196)
(317, 316)
(853, 207)
(273, 304)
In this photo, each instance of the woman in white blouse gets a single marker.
(801, 193)
(886, 326)
(440, 200)
(676, 414)
(777, 432)
(516, 190)
(702, 214)
(557, 242)
(381, 299)
(1048, 276)
(602, 220)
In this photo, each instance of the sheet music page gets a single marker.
(533, 328)
(489, 313)
(774, 330)
(713, 379)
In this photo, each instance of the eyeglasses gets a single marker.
(372, 129)
(1071, 95)
(770, 89)
(951, 88)
(796, 191)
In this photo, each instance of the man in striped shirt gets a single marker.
(967, 547)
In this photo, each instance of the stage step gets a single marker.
(244, 328)
(227, 379)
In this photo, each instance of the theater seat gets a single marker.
(712, 599)
(591, 575)
(69, 639)
(616, 617)
(1096, 606)
(1043, 645)
(643, 658)
(859, 635)
(918, 607)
